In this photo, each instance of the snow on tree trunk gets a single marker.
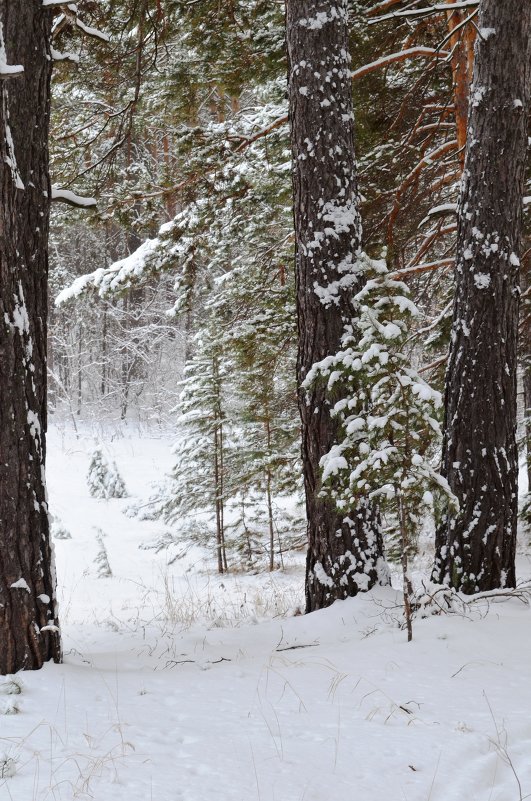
(343, 547)
(475, 548)
(28, 624)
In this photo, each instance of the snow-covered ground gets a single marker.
(178, 685)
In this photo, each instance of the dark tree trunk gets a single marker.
(344, 548)
(475, 549)
(525, 358)
(28, 625)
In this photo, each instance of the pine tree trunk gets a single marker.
(525, 359)
(344, 548)
(475, 549)
(28, 624)
(79, 369)
(219, 523)
(405, 545)
(269, 493)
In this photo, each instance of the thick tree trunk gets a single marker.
(28, 624)
(344, 548)
(475, 549)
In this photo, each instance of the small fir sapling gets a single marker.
(389, 428)
(102, 557)
(8, 766)
(198, 479)
(103, 479)
(59, 532)
(12, 685)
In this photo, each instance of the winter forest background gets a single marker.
(288, 364)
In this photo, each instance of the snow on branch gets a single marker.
(119, 275)
(69, 15)
(264, 132)
(57, 56)
(54, 3)
(383, 6)
(92, 31)
(444, 210)
(7, 70)
(426, 11)
(78, 201)
(401, 55)
(427, 161)
(422, 268)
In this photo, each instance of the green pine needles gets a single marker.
(389, 430)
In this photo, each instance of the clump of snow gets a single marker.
(5, 68)
(21, 584)
(482, 280)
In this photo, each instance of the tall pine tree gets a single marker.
(346, 544)
(29, 635)
(475, 548)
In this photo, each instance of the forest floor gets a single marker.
(178, 685)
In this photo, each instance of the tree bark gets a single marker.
(475, 548)
(344, 547)
(462, 62)
(28, 623)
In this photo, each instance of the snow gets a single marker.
(10, 157)
(398, 56)
(92, 31)
(478, 93)
(21, 584)
(178, 685)
(118, 274)
(70, 197)
(7, 70)
(482, 280)
(58, 56)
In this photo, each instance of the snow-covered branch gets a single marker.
(444, 210)
(57, 56)
(94, 32)
(78, 201)
(401, 55)
(426, 11)
(60, 3)
(264, 132)
(119, 275)
(7, 70)
(422, 268)
(69, 15)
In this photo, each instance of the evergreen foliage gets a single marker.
(102, 558)
(103, 479)
(388, 416)
(181, 131)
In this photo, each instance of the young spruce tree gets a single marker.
(387, 417)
